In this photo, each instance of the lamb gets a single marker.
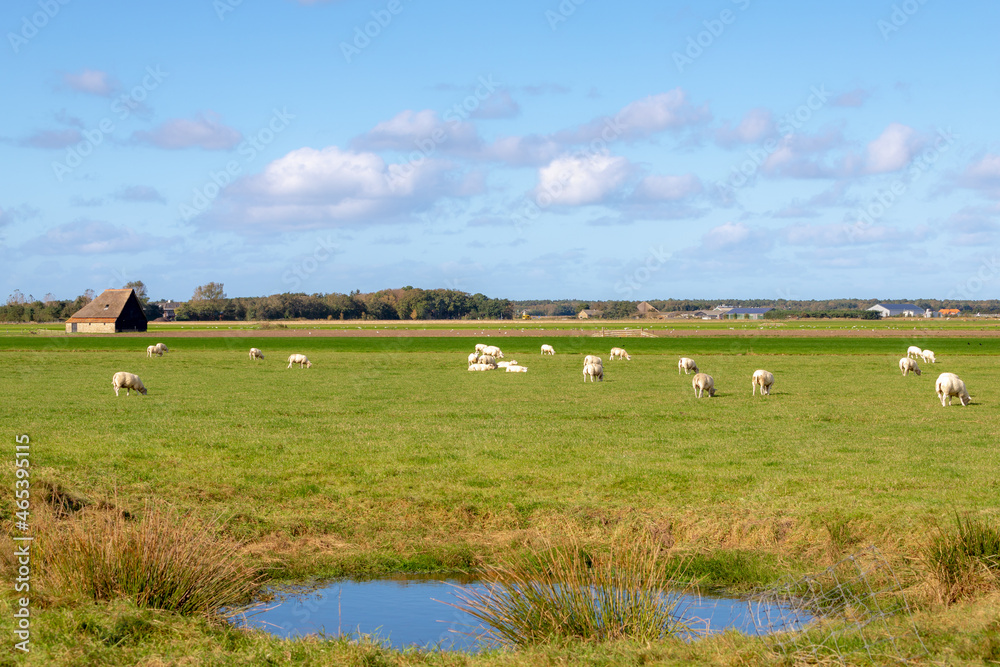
(256, 353)
(517, 369)
(906, 365)
(548, 349)
(127, 381)
(928, 357)
(593, 370)
(473, 358)
(686, 365)
(702, 382)
(764, 380)
(913, 352)
(151, 350)
(619, 353)
(299, 359)
(949, 385)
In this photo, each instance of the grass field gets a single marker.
(387, 455)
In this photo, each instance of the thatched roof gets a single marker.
(104, 308)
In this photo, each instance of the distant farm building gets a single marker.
(747, 313)
(588, 313)
(113, 311)
(715, 314)
(898, 310)
(949, 312)
(646, 309)
(170, 309)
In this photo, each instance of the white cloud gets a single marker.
(578, 180)
(639, 119)
(892, 150)
(92, 237)
(91, 81)
(729, 236)
(205, 131)
(757, 125)
(421, 131)
(983, 175)
(668, 188)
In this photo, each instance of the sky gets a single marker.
(549, 149)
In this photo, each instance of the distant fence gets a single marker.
(624, 333)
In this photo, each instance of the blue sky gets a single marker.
(574, 149)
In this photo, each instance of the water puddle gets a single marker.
(412, 611)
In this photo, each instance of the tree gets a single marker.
(140, 291)
(209, 292)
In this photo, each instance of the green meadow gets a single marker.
(388, 455)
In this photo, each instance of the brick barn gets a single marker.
(113, 311)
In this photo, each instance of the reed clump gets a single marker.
(567, 593)
(965, 560)
(163, 560)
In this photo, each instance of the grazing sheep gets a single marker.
(906, 365)
(702, 382)
(299, 359)
(949, 385)
(928, 357)
(620, 353)
(592, 359)
(548, 349)
(687, 365)
(480, 347)
(517, 369)
(593, 370)
(493, 351)
(764, 380)
(482, 367)
(152, 349)
(127, 381)
(913, 352)
(473, 358)
(256, 353)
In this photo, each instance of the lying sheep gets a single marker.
(687, 365)
(913, 352)
(486, 359)
(482, 367)
(593, 370)
(152, 349)
(928, 357)
(949, 385)
(906, 365)
(127, 381)
(517, 369)
(256, 353)
(299, 359)
(548, 349)
(762, 379)
(505, 364)
(620, 353)
(473, 358)
(702, 382)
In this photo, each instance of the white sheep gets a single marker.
(127, 381)
(152, 349)
(482, 367)
(548, 349)
(906, 365)
(480, 347)
(256, 353)
(493, 351)
(949, 385)
(505, 364)
(913, 352)
(764, 380)
(486, 359)
(620, 353)
(593, 359)
(473, 358)
(593, 370)
(928, 357)
(161, 347)
(687, 365)
(517, 369)
(299, 359)
(702, 382)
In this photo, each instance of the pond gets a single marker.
(414, 610)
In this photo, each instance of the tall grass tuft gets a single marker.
(165, 560)
(569, 594)
(965, 560)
